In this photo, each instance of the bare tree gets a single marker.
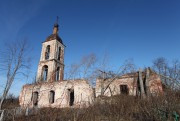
(127, 67)
(161, 66)
(84, 68)
(87, 64)
(169, 71)
(14, 62)
(174, 70)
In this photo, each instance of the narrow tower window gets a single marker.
(59, 53)
(45, 72)
(57, 74)
(35, 98)
(52, 96)
(47, 53)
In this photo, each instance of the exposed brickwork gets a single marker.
(131, 80)
(83, 94)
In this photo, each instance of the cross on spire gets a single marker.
(57, 19)
(56, 23)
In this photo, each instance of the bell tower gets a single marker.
(51, 64)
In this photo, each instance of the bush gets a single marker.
(115, 108)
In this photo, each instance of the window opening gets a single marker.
(52, 96)
(47, 53)
(45, 72)
(57, 74)
(71, 97)
(59, 53)
(35, 98)
(124, 89)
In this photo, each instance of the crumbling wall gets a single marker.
(111, 86)
(155, 84)
(83, 94)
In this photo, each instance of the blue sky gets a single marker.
(138, 29)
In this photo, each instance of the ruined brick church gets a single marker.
(51, 90)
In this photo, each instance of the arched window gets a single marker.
(59, 53)
(47, 53)
(57, 73)
(52, 96)
(45, 72)
(35, 98)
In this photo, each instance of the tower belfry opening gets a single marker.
(47, 53)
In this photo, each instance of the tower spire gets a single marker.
(56, 26)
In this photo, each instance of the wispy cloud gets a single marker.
(15, 13)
